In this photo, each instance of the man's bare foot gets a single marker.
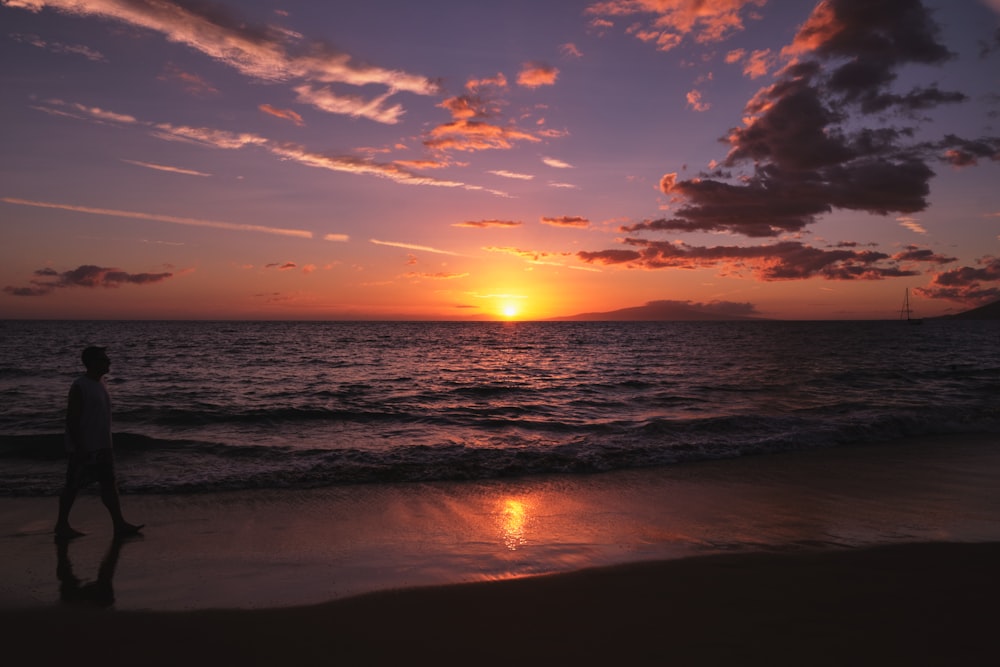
(128, 529)
(67, 533)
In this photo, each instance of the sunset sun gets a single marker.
(509, 310)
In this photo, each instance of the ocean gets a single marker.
(204, 407)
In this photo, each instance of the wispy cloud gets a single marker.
(284, 114)
(413, 246)
(482, 224)
(512, 174)
(261, 52)
(912, 224)
(156, 217)
(193, 84)
(60, 47)
(470, 135)
(226, 140)
(566, 221)
(556, 164)
(163, 167)
(324, 99)
(440, 275)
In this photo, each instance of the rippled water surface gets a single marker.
(201, 406)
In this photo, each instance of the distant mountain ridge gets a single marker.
(672, 311)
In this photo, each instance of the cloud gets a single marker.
(498, 81)
(538, 257)
(666, 23)
(913, 253)
(570, 50)
(756, 65)
(785, 260)
(59, 47)
(87, 275)
(465, 106)
(483, 224)
(566, 221)
(808, 146)
(967, 285)
(286, 114)
(441, 275)
(556, 164)
(325, 99)
(261, 52)
(511, 174)
(193, 84)
(162, 167)
(155, 217)
(82, 111)
(470, 135)
(536, 74)
(281, 266)
(411, 246)
(694, 101)
(912, 224)
(226, 140)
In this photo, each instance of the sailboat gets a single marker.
(906, 313)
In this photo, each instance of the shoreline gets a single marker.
(913, 604)
(269, 549)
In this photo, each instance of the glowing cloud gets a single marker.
(556, 164)
(668, 22)
(535, 75)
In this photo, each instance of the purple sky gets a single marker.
(460, 160)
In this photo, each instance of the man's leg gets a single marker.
(109, 494)
(75, 471)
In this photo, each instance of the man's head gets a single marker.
(96, 360)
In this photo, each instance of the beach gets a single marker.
(848, 555)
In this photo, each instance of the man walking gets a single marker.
(88, 442)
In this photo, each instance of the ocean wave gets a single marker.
(178, 465)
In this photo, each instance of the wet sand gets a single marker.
(874, 555)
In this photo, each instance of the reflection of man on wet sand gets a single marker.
(88, 441)
(101, 592)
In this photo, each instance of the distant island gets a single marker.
(672, 311)
(990, 311)
(721, 311)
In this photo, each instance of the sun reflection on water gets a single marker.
(513, 518)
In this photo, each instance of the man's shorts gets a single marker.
(86, 467)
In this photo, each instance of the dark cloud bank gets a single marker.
(830, 133)
(88, 275)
